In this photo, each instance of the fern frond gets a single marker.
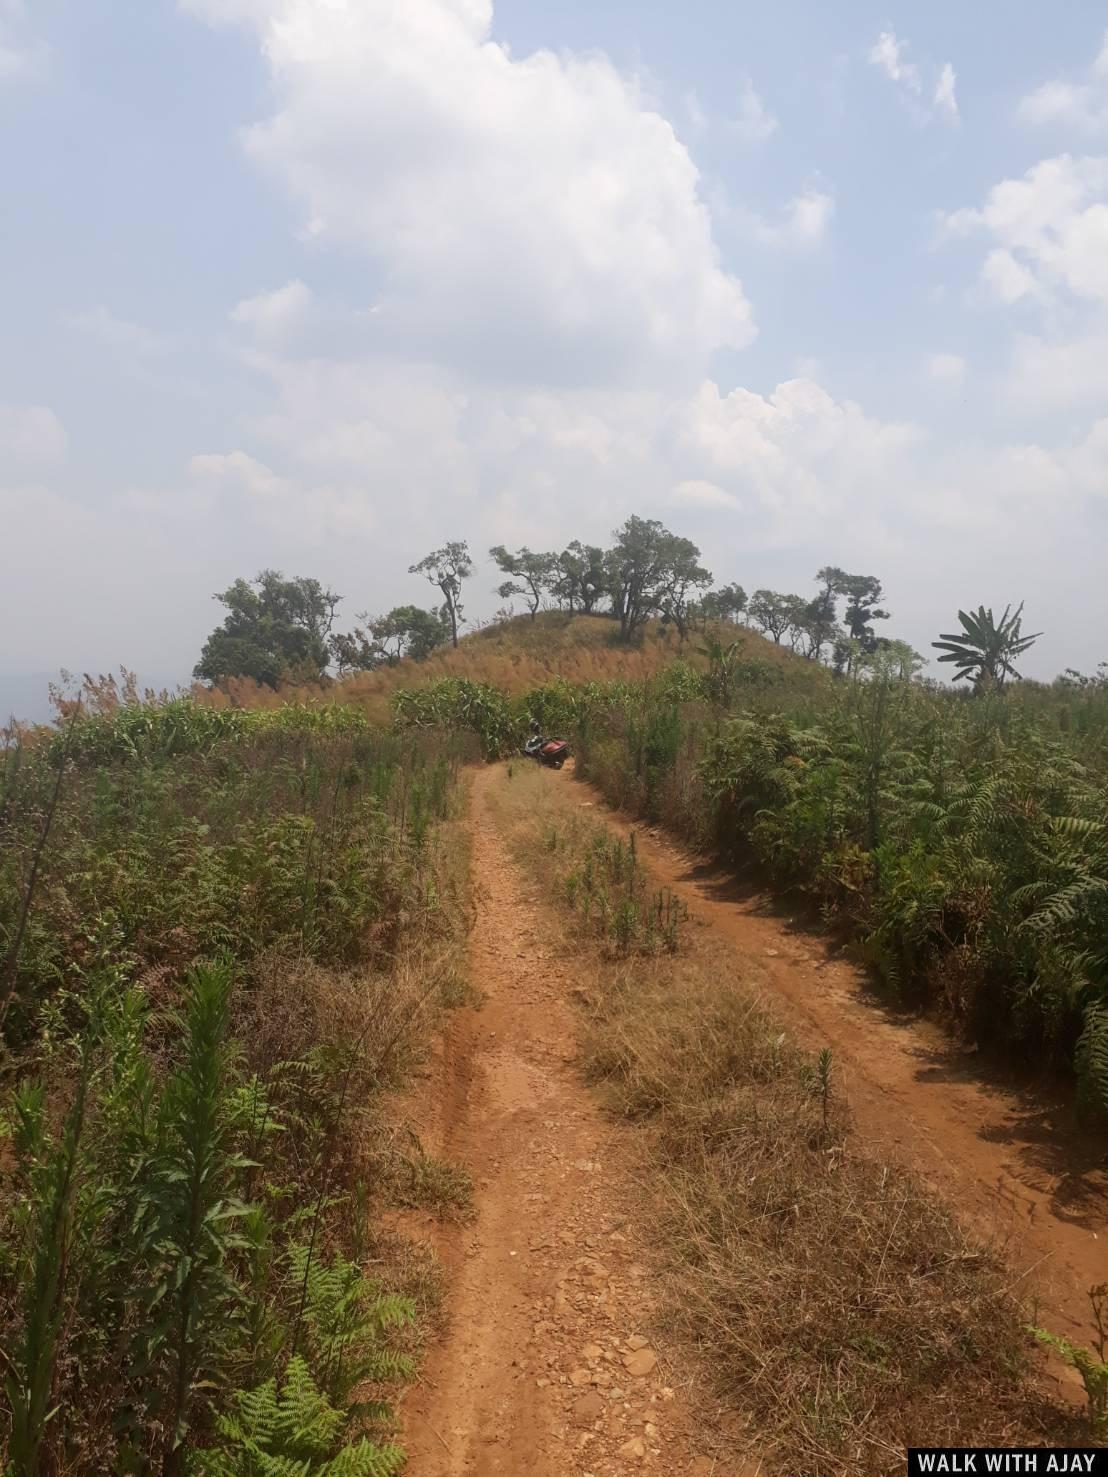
(1091, 1057)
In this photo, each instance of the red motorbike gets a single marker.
(551, 752)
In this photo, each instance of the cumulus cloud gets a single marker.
(1046, 235)
(31, 435)
(529, 216)
(1051, 230)
(753, 123)
(550, 297)
(1078, 105)
(271, 315)
(798, 452)
(1006, 278)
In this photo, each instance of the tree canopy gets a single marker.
(406, 631)
(652, 572)
(275, 630)
(581, 578)
(532, 575)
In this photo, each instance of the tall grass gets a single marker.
(236, 930)
(963, 845)
(960, 843)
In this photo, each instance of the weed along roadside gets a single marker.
(829, 1297)
(239, 935)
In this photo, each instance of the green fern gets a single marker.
(349, 1321)
(293, 1431)
(1092, 1057)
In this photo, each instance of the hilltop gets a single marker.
(520, 654)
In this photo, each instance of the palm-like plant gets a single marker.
(985, 648)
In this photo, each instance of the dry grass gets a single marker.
(831, 1299)
(516, 656)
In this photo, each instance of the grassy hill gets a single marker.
(521, 654)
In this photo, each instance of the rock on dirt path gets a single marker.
(547, 1368)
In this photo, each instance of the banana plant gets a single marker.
(985, 649)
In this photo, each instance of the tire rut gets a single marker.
(545, 1367)
(1010, 1162)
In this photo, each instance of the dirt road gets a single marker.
(546, 1368)
(1011, 1163)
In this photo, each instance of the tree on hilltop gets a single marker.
(532, 575)
(447, 568)
(652, 572)
(581, 578)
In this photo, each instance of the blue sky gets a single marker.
(317, 284)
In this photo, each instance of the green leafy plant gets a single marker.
(51, 1171)
(1091, 1365)
(189, 1210)
(278, 1431)
(985, 649)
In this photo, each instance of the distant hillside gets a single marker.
(521, 653)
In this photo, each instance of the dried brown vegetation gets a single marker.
(827, 1294)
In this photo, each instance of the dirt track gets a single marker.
(1010, 1162)
(548, 1301)
(545, 1369)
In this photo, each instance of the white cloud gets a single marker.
(1051, 230)
(31, 435)
(1006, 278)
(530, 217)
(946, 99)
(303, 511)
(887, 54)
(807, 218)
(946, 369)
(271, 315)
(753, 123)
(802, 224)
(1047, 237)
(237, 472)
(704, 495)
(1082, 106)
